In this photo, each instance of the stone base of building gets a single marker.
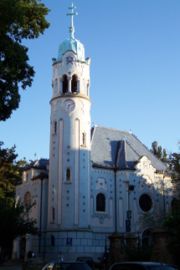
(67, 244)
(53, 245)
(75, 244)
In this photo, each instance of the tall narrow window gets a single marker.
(52, 241)
(55, 127)
(84, 138)
(65, 84)
(74, 84)
(53, 214)
(88, 89)
(68, 174)
(100, 202)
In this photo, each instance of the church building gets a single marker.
(98, 181)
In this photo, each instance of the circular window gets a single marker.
(145, 202)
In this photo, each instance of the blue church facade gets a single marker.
(97, 181)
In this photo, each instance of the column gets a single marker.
(69, 84)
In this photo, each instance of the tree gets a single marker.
(14, 216)
(19, 19)
(174, 166)
(172, 224)
(173, 220)
(158, 151)
(10, 171)
(14, 222)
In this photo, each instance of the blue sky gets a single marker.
(134, 46)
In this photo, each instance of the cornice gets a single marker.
(69, 96)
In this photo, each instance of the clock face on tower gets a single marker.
(69, 105)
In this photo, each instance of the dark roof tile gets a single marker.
(119, 149)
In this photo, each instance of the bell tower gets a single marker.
(69, 136)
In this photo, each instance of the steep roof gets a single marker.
(41, 164)
(112, 148)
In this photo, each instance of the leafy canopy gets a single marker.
(10, 172)
(13, 223)
(19, 19)
(174, 161)
(172, 224)
(158, 151)
(14, 216)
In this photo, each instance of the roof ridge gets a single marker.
(114, 129)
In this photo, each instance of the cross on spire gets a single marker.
(71, 13)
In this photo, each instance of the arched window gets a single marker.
(27, 199)
(55, 127)
(74, 84)
(100, 202)
(68, 174)
(64, 84)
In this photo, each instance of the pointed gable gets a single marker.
(127, 157)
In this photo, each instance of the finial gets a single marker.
(71, 13)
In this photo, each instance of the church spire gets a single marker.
(71, 43)
(71, 13)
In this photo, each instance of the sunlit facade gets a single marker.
(98, 181)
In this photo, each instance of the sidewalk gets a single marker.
(34, 264)
(11, 266)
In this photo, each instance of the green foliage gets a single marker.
(172, 160)
(172, 224)
(13, 223)
(19, 19)
(174, 166)
(14, 217)
(158, 151)
(10, 171)
(138, 253)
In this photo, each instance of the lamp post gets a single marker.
(129, 212)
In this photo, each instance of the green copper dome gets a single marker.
(73, 45)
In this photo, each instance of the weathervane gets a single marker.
(72, 13)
